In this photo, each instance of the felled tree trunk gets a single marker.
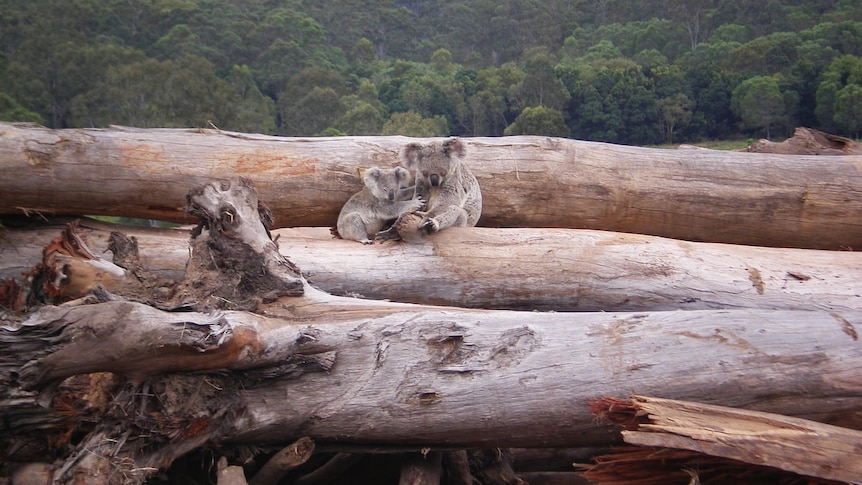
(304, 363)
(358, 372)
(699, 195)
(525, 269)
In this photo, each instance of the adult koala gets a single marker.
(451, 192)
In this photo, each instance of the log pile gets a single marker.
(281, 355)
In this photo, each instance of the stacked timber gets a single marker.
(718, 280)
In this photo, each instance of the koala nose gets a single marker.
(391, 194)
(435, 180)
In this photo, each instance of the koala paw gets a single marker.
(417, 204)
(429, 226)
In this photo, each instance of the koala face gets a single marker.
(385, 184)
(434, 162)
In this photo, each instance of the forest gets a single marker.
(620, 71)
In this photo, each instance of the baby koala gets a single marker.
(387, 194)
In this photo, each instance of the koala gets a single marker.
(387, 194)
(450, 190)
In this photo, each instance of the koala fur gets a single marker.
(451, 192)
(386, 195)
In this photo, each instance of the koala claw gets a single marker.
(429, 226)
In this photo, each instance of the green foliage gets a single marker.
(10, 110)
(618, 105)
(848, 109)
(413, 124)
(842, 72)
(361, 119)
(621, 71)
(153, 93)
(540, 86)
(758, 101)
(539, 120)
(673, 112)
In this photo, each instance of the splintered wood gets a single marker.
(786, 443)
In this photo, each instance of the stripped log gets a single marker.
(698, 195)
(524, 269)
(353, 372)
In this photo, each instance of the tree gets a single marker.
(287, 42)
(540, 86)
(10, 110)
(441, 60)
(255, 111)
(616, 104)
(673, 112)
(311, 101)
(759, 103)
(360, 119)
(694, 16)
(412, 123)
(539, 120)
(841, 72)
(711, 95)
(848, 109)
(150, 93)
(312, 113)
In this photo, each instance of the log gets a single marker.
(518, 269)
(760, 438)
(282, 462)
(808, 141)
(352, 373)
(696, 195)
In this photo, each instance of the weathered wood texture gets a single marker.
(532, 269)
(452, 377)
(699, 195)
(792, 444)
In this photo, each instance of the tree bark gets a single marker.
(697, 195)
(523, 269)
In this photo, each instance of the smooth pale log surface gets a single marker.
(792, 444)
(526, 269)
(699, 195)
(406, 374)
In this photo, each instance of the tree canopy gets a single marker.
(620, 71)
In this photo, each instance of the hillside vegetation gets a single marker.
(622, 71)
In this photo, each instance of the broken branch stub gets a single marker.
(236, 264)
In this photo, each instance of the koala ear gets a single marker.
(454, 147)
(401, 173)
(410, 155)
(371, 175)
